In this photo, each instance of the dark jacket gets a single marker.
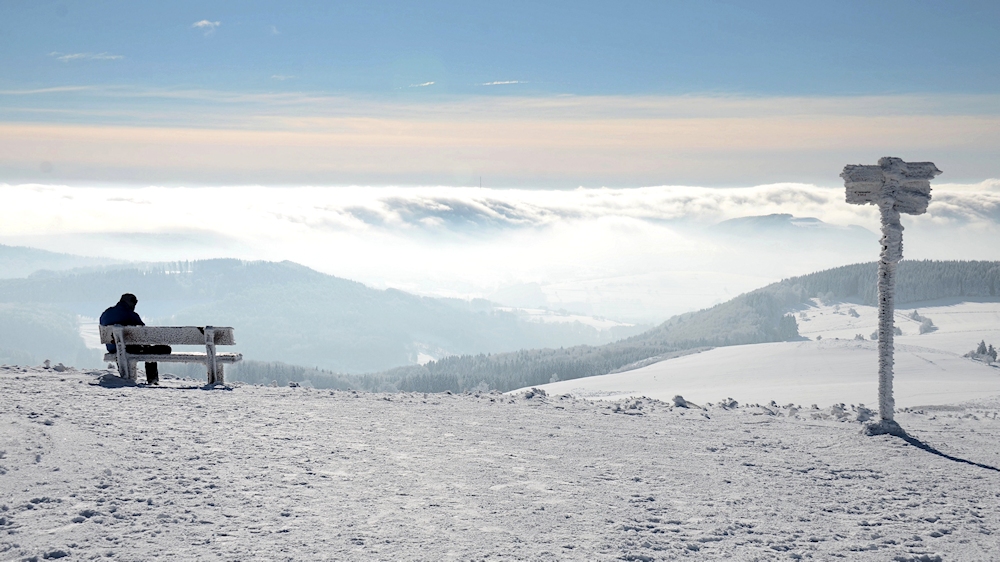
(120, 315)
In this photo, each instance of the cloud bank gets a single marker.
(638, 253)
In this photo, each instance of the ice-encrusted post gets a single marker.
(896, 187)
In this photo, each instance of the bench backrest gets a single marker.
(168, 335)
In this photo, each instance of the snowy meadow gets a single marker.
(94, 469)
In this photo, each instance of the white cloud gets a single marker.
(66, 57)
(274, 30)
(282, 77)
(503, 82)
(53, 90)
(641, 253)
(207, 26)
(424, 85)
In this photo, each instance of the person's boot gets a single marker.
(152, 373)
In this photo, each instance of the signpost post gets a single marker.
(896, 187)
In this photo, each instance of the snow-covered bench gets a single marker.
(207, 336)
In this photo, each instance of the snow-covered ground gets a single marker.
(824, 373)
(929, 369)
(960, 324)
(93, 469)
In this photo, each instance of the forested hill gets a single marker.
(282, 312)
(915, 281)
(759, 316)
(290, 313)
(755, 317)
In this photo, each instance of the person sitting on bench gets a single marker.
(123, 314)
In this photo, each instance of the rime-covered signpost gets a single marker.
(895, 187)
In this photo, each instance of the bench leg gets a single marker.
(126, 367)
(133, 371)
(216, 374)
(123, 369)
(211, 365)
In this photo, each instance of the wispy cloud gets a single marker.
(424, 85)
(274, 30)
(307, 138)
(53, 90)
(67, 57)
(315, 106)
(282, 77)
(207, 26)
(503, 82)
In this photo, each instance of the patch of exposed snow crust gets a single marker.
(90, 469)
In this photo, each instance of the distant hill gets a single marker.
(756, 317)
(290, 313)
(29, 334)
(294, 323)
(786, 229)
(19, 261)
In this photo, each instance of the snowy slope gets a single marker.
(824, 373)
(255, 473)
(960, 325)
(929, 367)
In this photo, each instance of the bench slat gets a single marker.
(185, 357)
(168, 335)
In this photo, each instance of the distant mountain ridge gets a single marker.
(784, 222)
(21, 261)
(290, 313)
(288, 316)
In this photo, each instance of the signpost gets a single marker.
(896, 187)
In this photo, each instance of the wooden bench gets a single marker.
(208, 336)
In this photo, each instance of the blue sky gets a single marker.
(565, 70)
(582, 48)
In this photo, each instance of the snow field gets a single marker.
(929, 368)
(960, 325)
(812, 372)
(92, 469)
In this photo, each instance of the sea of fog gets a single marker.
(637, 254)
